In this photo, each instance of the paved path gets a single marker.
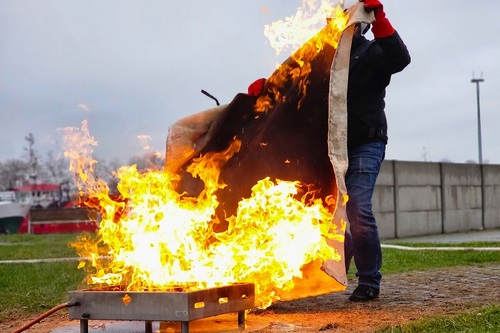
(490, 235)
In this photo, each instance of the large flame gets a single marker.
(158, 239)
(152, 237)
(300, 32)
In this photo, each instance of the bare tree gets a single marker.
(13, 173)
(32, 169)
(57, 169)
(147, 161)
(32, 158)
(107, 171)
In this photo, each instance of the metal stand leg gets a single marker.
(148, 326)
(241, 317)
(84, 326)
(184, 326)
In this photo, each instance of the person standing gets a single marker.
(372, 64)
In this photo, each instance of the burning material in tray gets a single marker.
(115, 303)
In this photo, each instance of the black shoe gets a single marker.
(364, 293)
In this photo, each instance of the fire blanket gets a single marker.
(296, 129)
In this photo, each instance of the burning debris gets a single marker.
(252, 192)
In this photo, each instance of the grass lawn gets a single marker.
(398, 261)
(482, 320)
(35, 288)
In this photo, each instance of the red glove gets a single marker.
(381, 27)
(256, 87)
(372, 5)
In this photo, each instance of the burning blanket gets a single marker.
(294, 130)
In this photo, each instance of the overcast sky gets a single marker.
(134, 67)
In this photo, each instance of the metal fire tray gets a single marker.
(149, 306)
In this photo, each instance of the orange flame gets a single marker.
(295, 32)
(158, 239)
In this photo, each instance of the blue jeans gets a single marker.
(363, 240)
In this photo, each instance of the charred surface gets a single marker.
(287, 142)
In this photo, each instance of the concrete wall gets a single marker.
(424, 198)
(491, 195)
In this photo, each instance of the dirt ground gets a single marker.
(404, 297)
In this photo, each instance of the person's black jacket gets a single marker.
(371, 66)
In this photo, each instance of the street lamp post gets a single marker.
(479, 141)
